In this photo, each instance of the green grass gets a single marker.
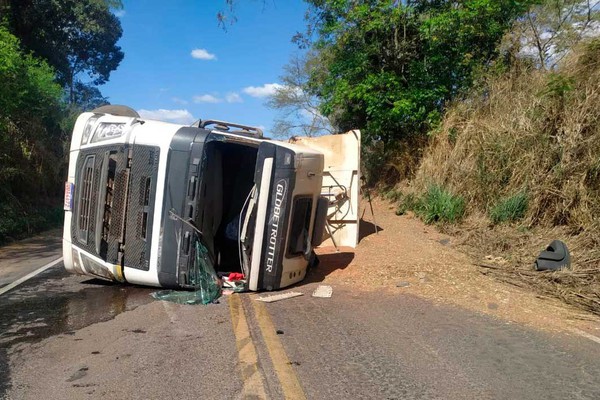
(393, 195)
(439, 205)
(509, 209)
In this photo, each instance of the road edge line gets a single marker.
(586, 335)
(290, 384)
(30, 275)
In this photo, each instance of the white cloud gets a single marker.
(592, 31)
(176, 116)
(119, 13)
(268, 89)
(206, 98)
(234, 98)
(202, 54)
(179, 101)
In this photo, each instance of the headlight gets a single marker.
(89, 128)
(107, 131)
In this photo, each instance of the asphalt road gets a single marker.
(65, 336)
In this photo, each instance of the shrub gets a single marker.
(509, 209)
(439, 205)
(393, 195)
(408, 202)
(20, 221)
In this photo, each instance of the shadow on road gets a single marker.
(327, 264)
(367, 228)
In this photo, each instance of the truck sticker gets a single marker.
(280, 192)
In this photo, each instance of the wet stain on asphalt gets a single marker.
(58, 303)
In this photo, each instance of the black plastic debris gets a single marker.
(554, 258)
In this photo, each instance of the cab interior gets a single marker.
(226, 182)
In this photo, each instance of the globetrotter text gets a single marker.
(279, 196)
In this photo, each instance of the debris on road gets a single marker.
(281, 296)
(403, 284)
(555, 258)
(202, 277)
(235, 276)
(323, 291)
(234, 282)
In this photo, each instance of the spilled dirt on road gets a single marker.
(409, 257)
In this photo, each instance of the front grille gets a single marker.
(119, 199)
(114, 207)
(140, 206)
(90, 204)
(85, 198)
(110, 195)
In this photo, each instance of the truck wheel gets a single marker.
(118, 110)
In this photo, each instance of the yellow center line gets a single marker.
(253, 386)
(283, 368)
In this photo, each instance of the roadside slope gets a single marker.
(406, 251)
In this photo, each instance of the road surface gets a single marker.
(66, 336)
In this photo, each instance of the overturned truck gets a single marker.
(141, 194)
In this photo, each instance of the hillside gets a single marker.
(517, 165)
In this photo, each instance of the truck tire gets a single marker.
(118, 110)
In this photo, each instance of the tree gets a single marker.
(76, 37)
(30, 113)
(87, 97)
(548, 31)
(299, 112)
(227, 16)
(393, 65)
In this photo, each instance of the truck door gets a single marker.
(341, 183)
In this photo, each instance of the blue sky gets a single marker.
(180, 65)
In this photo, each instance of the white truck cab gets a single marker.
(139, 192)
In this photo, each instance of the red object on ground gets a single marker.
(236, 276)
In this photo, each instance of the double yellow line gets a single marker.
(253, 380)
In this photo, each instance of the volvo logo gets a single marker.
(280, 190)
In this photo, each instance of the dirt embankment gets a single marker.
(514, 166)
(410, 257)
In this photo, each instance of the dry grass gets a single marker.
(536, 133)
(508, 252)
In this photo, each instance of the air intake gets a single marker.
(85, 198)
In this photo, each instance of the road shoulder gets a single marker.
(23, 257)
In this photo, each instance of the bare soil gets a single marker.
(407, 256)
